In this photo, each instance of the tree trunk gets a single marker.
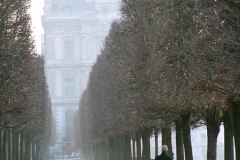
(128, 147)
(88, 155)
(167, 140)
(104, 150)
(112, 149)
(1, 144)
(133, 148)
(38, 150)
(85, 152)
(146, 133)
(156, 142)
(99, 150)
(120, 150)
(139, 148)
(212, 133)
(96, 157)
(9, 144)
(91, 153)
(236, 125)
(22, 148)
(27, 147)
(179, 139)
(15, 141)
(228, 136)
(4, 144)
(187, 136)
(94, 153)
(33, 150)
(41, 151)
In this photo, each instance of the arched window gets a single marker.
(69, 125)
(68, 50)
(69, 83)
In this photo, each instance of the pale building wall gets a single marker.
(85, 30)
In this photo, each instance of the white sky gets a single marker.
(36, 11)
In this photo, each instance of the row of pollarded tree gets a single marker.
(164, 63)
(24, 103)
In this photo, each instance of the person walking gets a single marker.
(164, 155)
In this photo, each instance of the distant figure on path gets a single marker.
(164, 155)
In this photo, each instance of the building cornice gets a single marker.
(68, 16)
(77, 16)
(64, 65)
(70, 102)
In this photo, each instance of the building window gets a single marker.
(88, 27)
(69, 84)
(101, 41)
(89, 49)
(69, 126)
(88, 46)
(102, 27)
(50, 45)
(68, 47)
(68, 28)
(51, 80)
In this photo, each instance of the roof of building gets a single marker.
(73, 5)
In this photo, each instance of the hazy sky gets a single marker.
(36, 11)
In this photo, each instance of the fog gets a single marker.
(74, 35)
(119, 80)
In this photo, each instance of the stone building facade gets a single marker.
(74, 32)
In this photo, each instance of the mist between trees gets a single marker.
(25, 113)
(166, 65)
